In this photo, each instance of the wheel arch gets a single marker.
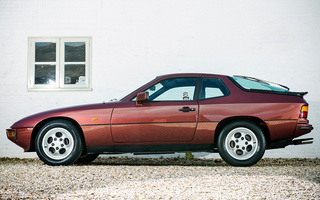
(259, 122)
(37, 128)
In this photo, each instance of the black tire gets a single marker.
(58, 143)
(87, 158)
(241, 143)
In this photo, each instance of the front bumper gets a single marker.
(21, 137)
(11, 135)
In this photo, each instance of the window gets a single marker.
(59, 64)
(178, 89)
(213, 88)
(250, 83)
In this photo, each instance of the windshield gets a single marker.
(250, 83)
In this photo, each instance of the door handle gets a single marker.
(187, 109)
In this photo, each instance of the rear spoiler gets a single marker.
(299, 94)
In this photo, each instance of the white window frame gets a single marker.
(59, 84)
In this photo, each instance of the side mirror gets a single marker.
(141, 97)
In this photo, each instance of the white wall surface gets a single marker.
(136, 40)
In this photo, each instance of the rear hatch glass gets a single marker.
(257, 85)
(251, 83)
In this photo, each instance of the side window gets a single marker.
(213, 88)
(177, 89)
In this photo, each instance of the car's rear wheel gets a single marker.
(58, 143)
(241, 143)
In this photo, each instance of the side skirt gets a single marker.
(151, 149)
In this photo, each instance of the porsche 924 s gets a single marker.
(239, 117)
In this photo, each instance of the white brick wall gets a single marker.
(134, 41)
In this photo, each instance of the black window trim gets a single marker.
(200, 87)
(197, 93)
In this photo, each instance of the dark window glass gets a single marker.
(45, 74)
(75, 74)
(75, 51)
(45, 52)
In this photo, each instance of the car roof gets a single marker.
(190, 74)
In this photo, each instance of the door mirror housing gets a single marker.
(141, 97)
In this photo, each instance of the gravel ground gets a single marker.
(162, 178)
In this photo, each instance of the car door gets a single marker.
(169, 115)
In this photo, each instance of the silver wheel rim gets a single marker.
(241, 143)
(57, 143)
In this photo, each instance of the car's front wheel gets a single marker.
(58, 143)
(241, 143)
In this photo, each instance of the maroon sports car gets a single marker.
(239, 117)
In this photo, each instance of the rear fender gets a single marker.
(259, 122)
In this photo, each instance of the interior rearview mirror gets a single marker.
(153, 88)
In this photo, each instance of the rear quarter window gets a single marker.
(213, 88)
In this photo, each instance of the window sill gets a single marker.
(59, 89)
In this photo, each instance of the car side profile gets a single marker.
(238, 116)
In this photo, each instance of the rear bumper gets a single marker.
(302, 128)
(306, 128)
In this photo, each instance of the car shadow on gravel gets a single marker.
(176, 161)
(200, 162)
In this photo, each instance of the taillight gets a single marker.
(303, 112)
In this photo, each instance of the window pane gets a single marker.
(256, 84)
(213, 88)
(75, 74)
(45, 74)
(75, 51)
(177, 94)
(45, 52)
(178, 89)
(212, 93)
